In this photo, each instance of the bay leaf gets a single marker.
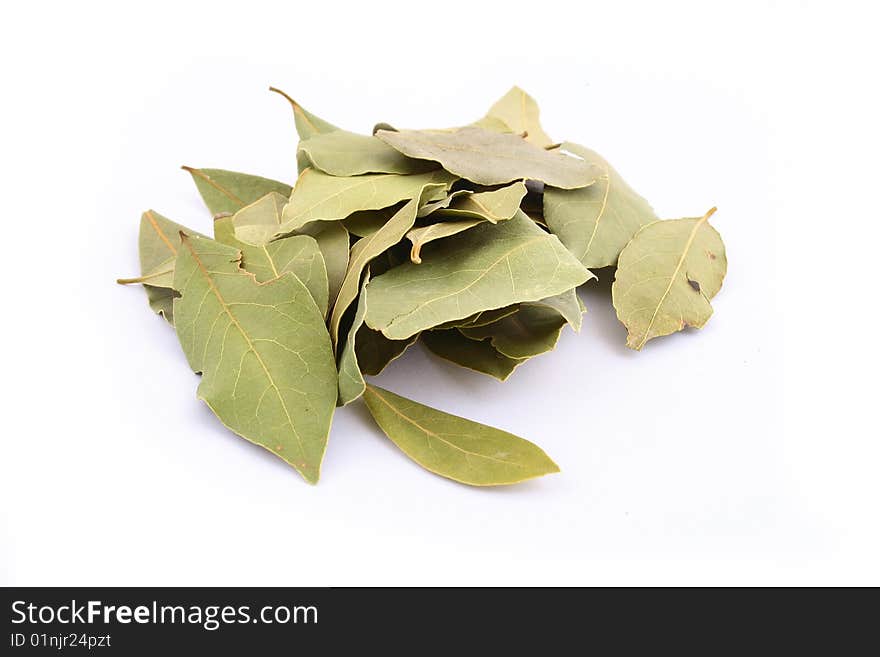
(229, 191)
(493, 206)
(351, 380)
(424, 234)
(487, 317)
(364, 223)
(161, 300)
(568, 305)
(258, 222)
(344, 153)
(332, 239)
(477, 355)
(307, 124)
(530, 331)
(493, 124)
(480, 319)
(267, 366)
(375, 352)
(518, 111)
(298, 254)
(467, 209)
(158, 242)
(527, 329)
(596, 222)
(321, 197)
(368, 248)
(490, 266)
(491, 158)
(365, 352)
(453, 447)
(439, 204)
(666, 277)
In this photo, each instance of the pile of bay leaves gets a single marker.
(473, 240)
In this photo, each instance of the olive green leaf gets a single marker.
(332, 239)
(453, 447)
(440, 204)
(344, 153)
(229, 191)
(161, 300)
(530, 331)
(298, 254)
(351, 380)
(366, 352)
(666, 276)
(320, 197)
(472, 208)
(375, 352)
(568, 305)
(267, 365)
(519, 113)
(307, 124)
(596, 222)
(493, 206)
(258, 222)
(489, 266)
(477, 355)
(424, 234)
(368, 248)
(364, 223)
(158, 242)
(491, 158)
(529, 328)
(480, 319)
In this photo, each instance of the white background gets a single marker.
(745, 453)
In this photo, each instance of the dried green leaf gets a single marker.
(343, 153)
(453, 447)
(307, 124)
(467, 209)
(519, 113)
(424, 234)
(229, 191)
(480, 319)
(440, 204)
(298, 254)
(488, 267)
(351, 380)
(158, 242)
(267, 365)
(258, 222)
(596, 222)
(332, 239)
(319, 197)
(491, 158)
(493, 206)
(568, 305)
(161, 300)
(530, 331)
(368, 248)
(666, 276)
(375, 352)
(477, 355)
(366, 222)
